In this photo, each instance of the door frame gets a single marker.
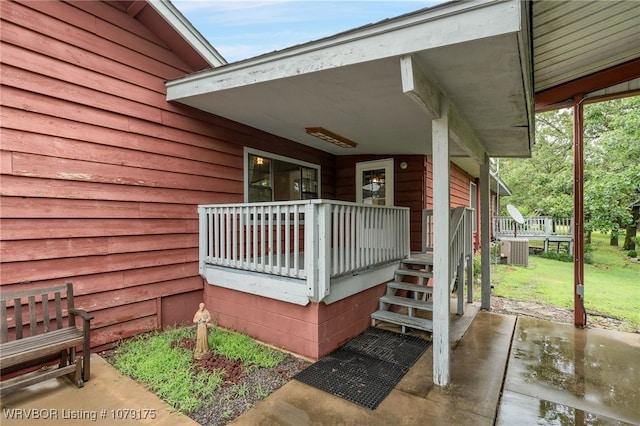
(388, 165)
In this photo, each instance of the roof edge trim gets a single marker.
(504, 13)
(190, 34)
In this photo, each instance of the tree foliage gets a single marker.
(543, 184)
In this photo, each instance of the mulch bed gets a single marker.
(233, 369)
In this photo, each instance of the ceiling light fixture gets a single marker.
(324, 134)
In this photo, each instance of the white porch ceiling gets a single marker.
(475, 52)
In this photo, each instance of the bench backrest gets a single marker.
(29, 312)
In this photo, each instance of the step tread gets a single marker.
(408, 302)
(409, 287)
(424, 260)
(414, 273)
(400, 319)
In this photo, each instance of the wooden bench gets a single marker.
(32, 332)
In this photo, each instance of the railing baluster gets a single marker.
(217, 236)
(287, 239)
(296, 240)
(263, 253)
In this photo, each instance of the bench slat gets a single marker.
(33, 325)
(17, 313)
(18, 294)
(34, 347)
(45, 312)
(4, 325)
(58, 310)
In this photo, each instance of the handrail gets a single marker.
(460, 240)
(460, 237)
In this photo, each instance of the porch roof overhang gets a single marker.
(381, 85)
(587, 48)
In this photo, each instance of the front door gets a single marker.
(374, 182)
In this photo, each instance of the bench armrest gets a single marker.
(86, 342)
(83, 314)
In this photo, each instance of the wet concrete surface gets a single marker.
(109, 398)
(504, 371)
(562, 375)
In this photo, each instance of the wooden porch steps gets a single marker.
(403, 320)
(411, 296)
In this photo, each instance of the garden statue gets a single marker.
(202, 318)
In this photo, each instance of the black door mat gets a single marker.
(367, 368)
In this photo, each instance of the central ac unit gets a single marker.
(516, 250)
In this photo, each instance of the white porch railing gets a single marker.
(313, 240)
(533, 226)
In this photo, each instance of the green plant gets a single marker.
(562, 256)
(242, 347)
(632, 253)
(477, 265)
(167, 370)
(240, 390)
(261, 393)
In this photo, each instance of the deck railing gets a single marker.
(533, 226)
(314, 240)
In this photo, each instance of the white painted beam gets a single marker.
(485, 271)
(465, 137)
(441, 306)
(419, 87)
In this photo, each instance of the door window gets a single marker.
(374, 182)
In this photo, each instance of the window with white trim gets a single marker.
(271, 177)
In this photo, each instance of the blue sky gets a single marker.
(242, 29)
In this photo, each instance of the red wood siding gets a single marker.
(100, 176)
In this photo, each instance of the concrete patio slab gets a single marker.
(504, 371)
(478, 366)
(109, 398)
(559, 374)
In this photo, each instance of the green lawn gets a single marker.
(612, 283)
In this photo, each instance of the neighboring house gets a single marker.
(103, 166)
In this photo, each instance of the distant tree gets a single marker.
(612, 188)
(543, 184)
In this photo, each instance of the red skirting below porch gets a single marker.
(312, 331)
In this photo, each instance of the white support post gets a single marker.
(469, 253)
(441, 209)
(460, 295)
(324, 250)
(485, 195)
(204, 235)
(311, 248)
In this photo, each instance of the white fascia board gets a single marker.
(501, 187)
(192, 36)
(440, 26)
